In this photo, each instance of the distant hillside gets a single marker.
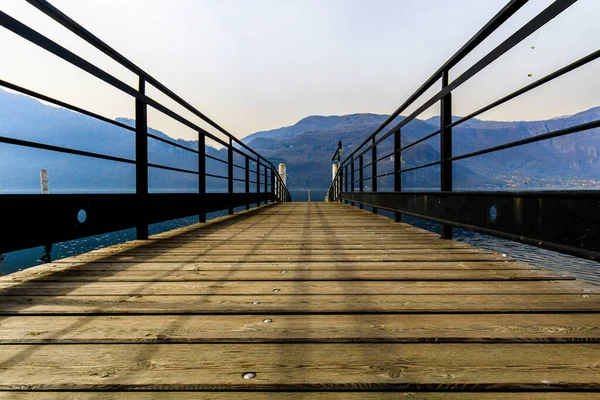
(27, 119)
(317, 122)
(568, 161)
(306, 148)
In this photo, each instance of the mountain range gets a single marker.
(306, 147)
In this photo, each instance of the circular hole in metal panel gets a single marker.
(493, 213)
(81, 216)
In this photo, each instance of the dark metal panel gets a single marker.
(37, 220)
(564, 221)
(141, 162)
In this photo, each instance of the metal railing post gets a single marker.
(346, 180)
(446, 147)
(397, 168)
(273, 183)
(202, 171)
(141, 163)
(374, 169)
(247, 177)
(266, 190)
(352, 177)
(340, 181)
(258, 177)
(360, 176)
(230, 171)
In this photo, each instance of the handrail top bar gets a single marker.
(57, 15)
(535, 23)
(504, 14)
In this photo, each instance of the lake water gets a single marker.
(582, 269)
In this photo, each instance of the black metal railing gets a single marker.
(33, 220)
(565, 221)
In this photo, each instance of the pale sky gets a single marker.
(262, 64)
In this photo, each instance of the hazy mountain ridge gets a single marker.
(551, 162)
(306, 147)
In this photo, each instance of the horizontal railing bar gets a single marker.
(420, 166)
(38, 39)
(48, 99)
(386, 174)
(238, 179)
(215, 158)
(416, 142)
(216, 139)
(579, 63)
(545, 136)
(587, 59)
(35, 145)
(511, 8)
(238, 166)
(240, 152)
(150, 135)
(187, 171)
(86, 35)
(534, 24)
(386, 156)
(216, 176)
(574, 194)
(424, 138)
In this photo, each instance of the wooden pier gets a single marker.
(318, 297)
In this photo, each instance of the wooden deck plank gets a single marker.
(312, 328)
(353, 302)
(280, 265)
(408, 256)
(63, 395)
(296, 275)
(53, 288)
(300, 366)
(305, 304)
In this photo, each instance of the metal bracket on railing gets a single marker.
(337, 153)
